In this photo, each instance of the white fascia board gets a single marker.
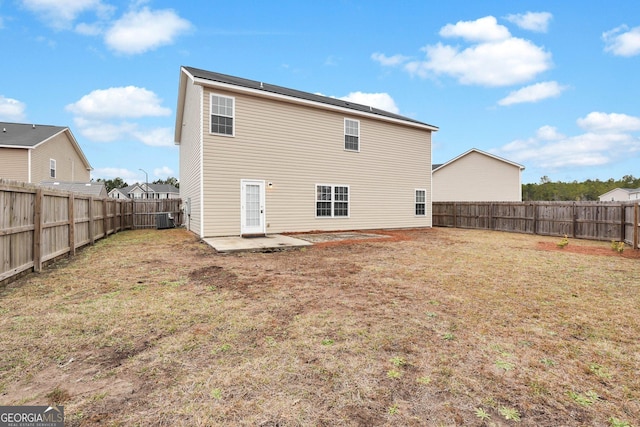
(285, 98)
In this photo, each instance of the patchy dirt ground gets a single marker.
(422, 327)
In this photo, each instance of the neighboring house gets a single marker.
(93, 188)
(476, 176)
(620, 195)
(37, 153)
(257, 158)
(141, 191)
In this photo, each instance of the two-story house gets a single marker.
(144, 191)
(37, 153)
(256, 158)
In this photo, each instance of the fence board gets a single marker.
(38, 225)
(581, 220)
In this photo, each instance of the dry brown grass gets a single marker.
(435, 327)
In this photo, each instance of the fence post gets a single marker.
(623, 212)
(574, 220)
(535, 218)
(455, 215)
(91, 224)
(72, 226)
(105, 220)
(37, 231)
(636, 224)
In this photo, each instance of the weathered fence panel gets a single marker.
(145, 212)
(580, 220)
(39, 224)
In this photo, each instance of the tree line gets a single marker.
(118, 182)
(588, 190)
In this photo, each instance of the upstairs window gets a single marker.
(332, 201)
(222, 113)
(421, 202)
(52, 168)
(351, 135)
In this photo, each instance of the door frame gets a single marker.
(261, 229)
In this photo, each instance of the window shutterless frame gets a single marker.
(420, 202)
(351, 135)
(222, 115)
(332, 201)
(52, 168)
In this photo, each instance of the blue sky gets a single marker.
(554, 86)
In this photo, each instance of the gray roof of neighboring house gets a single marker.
(156, 188)
(90, 188)
(256, 85)
(436, 166)
(26, 135)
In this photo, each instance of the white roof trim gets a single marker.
(479, 152)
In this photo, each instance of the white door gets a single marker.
(252, 207)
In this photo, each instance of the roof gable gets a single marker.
(212, 79)
(475, 150)
(30, 136)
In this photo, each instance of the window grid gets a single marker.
(351, 135)
(222, 115)
(421, 202)
(332, 201)
(52, 168)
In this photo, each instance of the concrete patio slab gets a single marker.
(268, 243)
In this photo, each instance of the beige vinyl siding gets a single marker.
(477, 177)
(190, 156)
(14, 164)
(296, 147)
(69, 164)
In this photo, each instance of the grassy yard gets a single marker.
(432, 327)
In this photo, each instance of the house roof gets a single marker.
(626, 190)
(91, 188)
(155, 188)
(30, 136)
(210, 78)
(475, 150)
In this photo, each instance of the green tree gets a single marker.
(170, 181)
(110, 184)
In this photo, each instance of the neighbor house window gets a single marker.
(421, 202)
(222, 113)
(351, 135)
(332, 201)
(52, 168)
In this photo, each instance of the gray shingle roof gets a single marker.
(90, 188)
(256, 85)
(26, 135)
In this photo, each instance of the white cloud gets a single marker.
(159, 137)
(382, 101)
(60, 14)
(503, 63)
(162, 172)
(553, 150)
(621, 42)
(549, 133)
(493, 58)
(533, 21)
(89, 29)
(389, 61)
(103, 131)
(130, 101)
(12, 110)
(602, 122)
(533, 93)
(143, 30)
(110, 173)
(481, 30)
(115, 114)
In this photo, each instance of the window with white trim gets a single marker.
(222, 114)
(332, 201)
(351, 135)
(421, 202)
(52, 168)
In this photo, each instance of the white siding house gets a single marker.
(476, 176)
(620, 195)
(256, 158)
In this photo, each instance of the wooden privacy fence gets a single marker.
(39, 224)
(581, 220)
